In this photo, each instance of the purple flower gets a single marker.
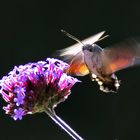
(33, 87)
(18, 113)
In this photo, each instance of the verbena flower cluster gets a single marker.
(32, 87)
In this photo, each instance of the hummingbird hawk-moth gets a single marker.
(86, 57)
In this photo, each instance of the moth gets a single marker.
(86, 57)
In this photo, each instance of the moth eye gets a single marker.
(90, 49)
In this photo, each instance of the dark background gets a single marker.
(30, 31)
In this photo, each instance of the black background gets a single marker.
(30, 31)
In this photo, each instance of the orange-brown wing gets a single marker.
(77, 66)
(121, 56)
(77, 69)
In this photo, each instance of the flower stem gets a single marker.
(62, 124)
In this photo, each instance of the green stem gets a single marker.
(62, 124)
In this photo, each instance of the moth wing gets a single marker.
(74, 55)
(78, 66)
(120, 56)
(69, 52)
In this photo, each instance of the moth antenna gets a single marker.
(102, 38)
(71, 36)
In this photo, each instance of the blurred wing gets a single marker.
(121, 56)
(77, 66)
(74, 56)
(70, 52)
